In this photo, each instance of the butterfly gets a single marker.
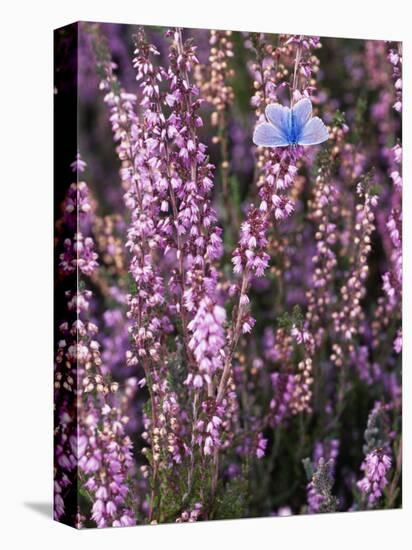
(290, 126)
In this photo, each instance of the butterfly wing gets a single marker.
(302, 112)
(279, 116)
(276, 132)
(268, 135)
(313, 132)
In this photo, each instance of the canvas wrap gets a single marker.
(228, 275)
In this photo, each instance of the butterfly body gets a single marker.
(290, 126)
(294, 131)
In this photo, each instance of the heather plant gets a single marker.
(229, 279)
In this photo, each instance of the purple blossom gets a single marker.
(207, 342)
(91, 436)
(375, 466)
(261, 446)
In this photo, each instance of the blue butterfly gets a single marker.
(290, 126)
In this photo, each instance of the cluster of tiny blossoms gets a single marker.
(392, 279)
(283, 388)
(327, 451)
(97, 444)
(376, 466)
(143, 234)
(214, 86)
(323, 208)
(168, 179)
(347, 321)
(395, 59)
(378, 461)
(214, 81)
(183, 180)
(77, 213)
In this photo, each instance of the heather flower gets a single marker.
(377, 460)
(210, 425)
(190, 516)
(319, 489)
(109, 234)
(214, 82)
(207, 342)
(301, 335)
(79, 255)
(79, 164)
(284, 511)
(392, 279)
(91, 435)
(301, 399)
(397, 345)
(375, 466)
(196, 248)
(347, 319)
(261, 446)
(78, 206)
(284, 387)
(395, 59)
